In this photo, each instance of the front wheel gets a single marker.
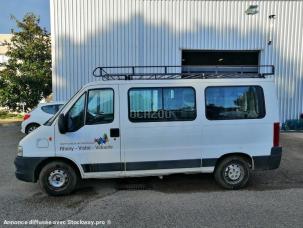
(58, 178)
(232, 172)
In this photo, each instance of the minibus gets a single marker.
(139, 123)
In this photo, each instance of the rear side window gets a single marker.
(162, 104)
(50, 109)
(234, 102)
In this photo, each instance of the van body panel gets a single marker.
(249, 136)
(39, 143)
(155, 143)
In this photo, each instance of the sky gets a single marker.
(19, 8)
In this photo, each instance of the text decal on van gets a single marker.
(100, 143)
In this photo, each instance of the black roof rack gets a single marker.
(182, 72)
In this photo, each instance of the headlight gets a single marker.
(20, 151)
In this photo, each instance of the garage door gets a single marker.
(194, 60)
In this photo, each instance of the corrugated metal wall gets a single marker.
(90, 33)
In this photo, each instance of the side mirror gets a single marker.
(62, 124)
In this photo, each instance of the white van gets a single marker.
(123, 126)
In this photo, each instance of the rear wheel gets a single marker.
(31, 127)
(232, 172)
(58, 178)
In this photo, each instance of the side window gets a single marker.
(50, 109)
(162, 104)
(145, 104)
(75, 116)
(234, 102)
(179, 103)
(100, 106)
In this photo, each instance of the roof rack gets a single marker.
(182, 72)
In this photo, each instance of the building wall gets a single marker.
(3, 47)
(90, 33)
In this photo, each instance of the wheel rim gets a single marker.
(234, 173)
(57, 178)
(32, 128)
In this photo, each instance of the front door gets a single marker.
(93, 137)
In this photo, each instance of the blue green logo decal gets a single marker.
(102, 140)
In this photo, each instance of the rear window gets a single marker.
(51, 109)
(234, 102)
(59, 107)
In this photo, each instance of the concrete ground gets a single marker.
(272, 199)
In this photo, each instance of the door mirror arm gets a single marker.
(62, 126)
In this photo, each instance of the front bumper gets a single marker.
(268, 162)
(26, 167)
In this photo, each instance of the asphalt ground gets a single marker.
(272, 198)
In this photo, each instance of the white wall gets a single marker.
(90, 33)
(3, 58)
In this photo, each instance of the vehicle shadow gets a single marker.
(185, 183)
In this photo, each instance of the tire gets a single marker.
(232, 173)
(58, 178)
(31, 127)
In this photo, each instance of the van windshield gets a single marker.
(54, 117)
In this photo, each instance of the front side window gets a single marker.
(100, 106)
(75, 116)
(234, 102)
(162, 104)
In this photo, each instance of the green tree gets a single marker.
(26, 77)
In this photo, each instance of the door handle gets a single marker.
(114, 132)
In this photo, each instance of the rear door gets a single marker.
(237, 119)
(93, 140)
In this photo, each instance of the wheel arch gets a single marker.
(51, 159)
(31, 123)
(245, 156)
